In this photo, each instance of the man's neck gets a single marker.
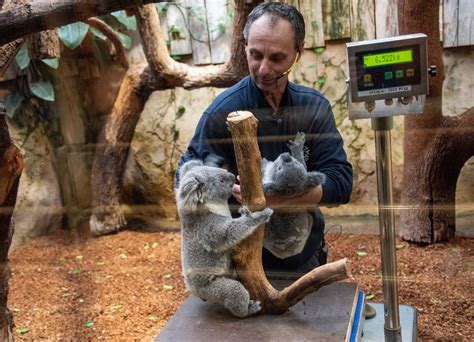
(274, 98)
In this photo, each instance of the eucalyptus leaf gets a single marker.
(97, 33)
(370, 296)
(168, 287)
(126, 40)
(12, 102)
(73, 34)
(89, 324)
(361, 253)
(129, 22)
(22, 58)
(21, 330)
(44, 90)
(51, 62)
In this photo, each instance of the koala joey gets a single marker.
(288, 229)
(209, 234)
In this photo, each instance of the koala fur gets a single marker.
(209, 234)
(288, 230)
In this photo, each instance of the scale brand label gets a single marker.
(392, 90)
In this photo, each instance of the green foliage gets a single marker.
(129, 22)
(73, 34)
(43, 89)
(12, 102)
(51, 62)
(126, 40)
(22, 58)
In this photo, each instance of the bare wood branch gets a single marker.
(247, 256)
(23, 19)
(8, 53)
(110, 33)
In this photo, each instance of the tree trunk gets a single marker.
(161, 72)
(247, 255)
(35, 16)
(11, 166)
(435, 147)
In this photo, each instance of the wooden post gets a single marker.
(247, 255)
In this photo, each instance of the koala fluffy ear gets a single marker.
(188, 166)
(190, 193)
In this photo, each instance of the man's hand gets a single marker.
(236, 192)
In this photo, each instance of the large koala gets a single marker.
(209, 234)
(288, 229)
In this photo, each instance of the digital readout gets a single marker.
(387, 58)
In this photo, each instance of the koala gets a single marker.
(209, 234)
(288, 230)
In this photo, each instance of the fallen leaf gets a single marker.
(89, 324)
(361, 253)
(21, 330)
(370, 296)
(123, 256)
(168, 287)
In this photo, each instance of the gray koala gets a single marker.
(209, 234)
(288, 230)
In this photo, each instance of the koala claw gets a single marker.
(298, 142)
(244, 210)
(267, 212)
(254, 307)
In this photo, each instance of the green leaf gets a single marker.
(467, 267)
(73, 34)
(89, 324)
(21, 330)
(126, 40)
(22, 58)
(154, 245)
(79, 257)
(321, 80)
(62, 259)
(370, 296)
(146, 246)
(181, 109)
(400, 246)
(361, 253)
(51, 62)
(319, 50)
(168, 287)
(167, 276)
(12, 102)
(123, 256)
(44, 90)
(176, 57)
(100, 263)
(97, 33)
(129, 22)
(76, 271)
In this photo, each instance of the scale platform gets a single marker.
(333, 313)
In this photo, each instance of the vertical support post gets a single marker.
(383, 153)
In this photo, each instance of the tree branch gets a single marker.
(110, 33)
(23, 19)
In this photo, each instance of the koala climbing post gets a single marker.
(247, 256)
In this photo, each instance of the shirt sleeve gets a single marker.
(327, 155)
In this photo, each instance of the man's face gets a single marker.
(270, 52)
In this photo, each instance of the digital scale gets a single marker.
(388, 77)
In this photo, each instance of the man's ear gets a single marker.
(300, 50)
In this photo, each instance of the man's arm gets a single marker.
(308, 199)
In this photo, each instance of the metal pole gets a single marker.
(383, 153)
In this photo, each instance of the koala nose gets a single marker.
(286, 157)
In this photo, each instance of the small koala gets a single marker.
(209, 234)
(288, 230)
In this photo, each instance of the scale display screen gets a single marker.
(388, 58)
(388, 68)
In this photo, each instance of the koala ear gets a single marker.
(188, 166)
(315, 178)
(190, 193)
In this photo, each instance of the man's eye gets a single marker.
(277, 58)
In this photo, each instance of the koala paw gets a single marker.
(244, 210)
(254, 307)
(298, 143)
(267, 213)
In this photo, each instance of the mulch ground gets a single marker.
(127, 286)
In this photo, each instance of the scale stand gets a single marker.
(388, 77)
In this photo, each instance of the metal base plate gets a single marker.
(326, 315)
(373, 330)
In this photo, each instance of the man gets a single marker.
(274, 36)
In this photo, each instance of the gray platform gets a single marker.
(374, 327)
(330, 314)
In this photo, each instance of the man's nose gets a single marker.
(264, 67)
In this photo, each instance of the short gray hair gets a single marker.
(278, 10)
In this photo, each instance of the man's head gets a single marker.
(274, 37)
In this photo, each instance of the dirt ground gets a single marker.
(127, 286)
